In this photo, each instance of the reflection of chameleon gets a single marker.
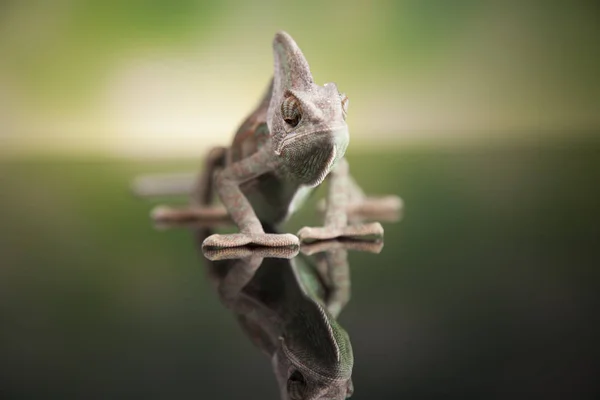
(296, 137)
(288, 307)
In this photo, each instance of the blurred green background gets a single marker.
(168, 78)
(482, 115)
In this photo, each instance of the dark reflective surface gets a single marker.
(488, 287)
(287, 304)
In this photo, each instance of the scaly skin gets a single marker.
(288, 305)
(296, 137)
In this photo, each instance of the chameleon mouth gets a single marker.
(292, 137)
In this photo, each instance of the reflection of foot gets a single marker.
(245, 251)
(344, 244)
(371, 231)
(258, 239)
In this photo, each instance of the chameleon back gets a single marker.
(253, 133)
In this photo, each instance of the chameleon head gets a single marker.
(307, 121)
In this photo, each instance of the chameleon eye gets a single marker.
(345, 101)
(296, 385)
(291, 111)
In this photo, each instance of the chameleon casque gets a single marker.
(292, 142)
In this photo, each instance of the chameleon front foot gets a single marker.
(216, 254)
(371, 231)
(256, 239)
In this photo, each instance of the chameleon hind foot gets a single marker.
(371, 231)
(253, 239)
(323, 246)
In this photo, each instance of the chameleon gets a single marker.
(295, 138)
(287, 304)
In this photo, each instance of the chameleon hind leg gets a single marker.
(336, 214)
(344, 203)
(202, 195)
(361, 207)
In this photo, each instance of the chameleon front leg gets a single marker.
(336, 213)
(227, 183)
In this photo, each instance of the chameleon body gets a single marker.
(288, 304)
(295, 138)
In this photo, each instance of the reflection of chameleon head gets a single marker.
(314, 359)
(309, 373)
(306, 121)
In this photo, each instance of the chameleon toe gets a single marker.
(229, 253)
(309, 234)
(225, 241)
(275, 240)
(215, 254)
(259, 239)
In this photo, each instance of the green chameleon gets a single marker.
(288, 304)
(294, 139)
